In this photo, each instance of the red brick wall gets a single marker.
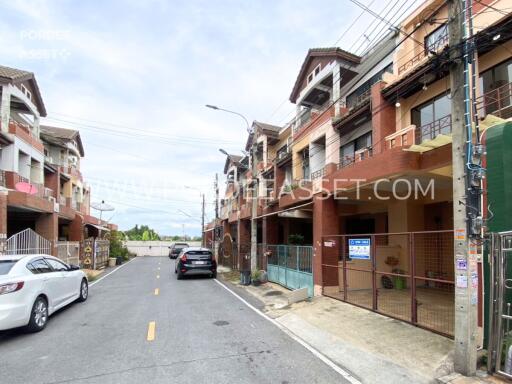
(325, 222)
(383, 118)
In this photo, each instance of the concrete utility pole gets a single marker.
(465, 290)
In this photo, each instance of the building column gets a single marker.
(47, 225)
(244, 244)
(383, 117)
(3, 220)
(5, 108)
(325, 222)
(269, 229)
(76, 229)
(336, 90)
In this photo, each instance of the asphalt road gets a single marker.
(202, 334)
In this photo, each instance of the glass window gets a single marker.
(57, 266)
(437, 39)
(40, 266)
(431, 111)
(498, 95)
(6, 265)
(364, 141)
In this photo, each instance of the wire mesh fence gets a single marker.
(408, 276)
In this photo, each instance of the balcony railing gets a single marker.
(497, 102)
(434, 47)
(357, 101)
(318, 174)
(356, 157)
(432, 130)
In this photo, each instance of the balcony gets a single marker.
(430, 131)
(497, 102)
(357, 157)
(300, 191)
(434, 48)
(24, 132)
(354, 103)
(10, 179)
(318, 174)
(312, 115)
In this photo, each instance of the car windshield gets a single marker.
(6, 265)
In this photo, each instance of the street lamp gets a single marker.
(223, 152)
(254, 210)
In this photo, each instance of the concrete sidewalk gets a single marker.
(374, 348)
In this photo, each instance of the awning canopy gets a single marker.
(98, 227)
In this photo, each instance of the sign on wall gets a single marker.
(359, 249)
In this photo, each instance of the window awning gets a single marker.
(98, 227)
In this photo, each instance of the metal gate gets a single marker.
(500, 335)
(28, 242)
(291, 266)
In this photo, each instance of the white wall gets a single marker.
(154, 248)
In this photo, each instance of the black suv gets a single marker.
(176, 249)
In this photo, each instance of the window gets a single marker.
(347, 151)
(313, 73)
(39, 266)
(404, 139)
(6, 265)
(437, 39)
(26, 92)
(494, 84)
(362, 92)
(306, 174)
(392, 143)
(431, 111)
(57, 266)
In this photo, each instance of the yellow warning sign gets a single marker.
(88, 249)
(87, 261)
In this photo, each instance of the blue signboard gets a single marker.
(359, 249)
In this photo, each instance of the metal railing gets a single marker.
(318, 174)
(353, 102)
(28, 242)
(69, 252)
(408, 276)
(358, 156)
(430, 131)
(434, 47)
(497, 102)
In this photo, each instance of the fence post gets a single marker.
(412, 255)
(344, 268)
(374, 274)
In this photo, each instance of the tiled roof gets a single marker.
(60, 136)
(13, 73)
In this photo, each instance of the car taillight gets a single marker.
(184, 258)
(11, 287)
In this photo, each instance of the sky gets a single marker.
(134, 77)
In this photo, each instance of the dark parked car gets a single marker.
(195, 261)
(175, 249)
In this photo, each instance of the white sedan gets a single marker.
(32, 287)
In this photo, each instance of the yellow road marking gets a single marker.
(151, 331)
(157, 276)
(157, 291)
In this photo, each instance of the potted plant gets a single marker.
(256, 278)
(295, 239)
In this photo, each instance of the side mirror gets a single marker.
(73, 267)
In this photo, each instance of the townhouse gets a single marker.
(42, 187)
(355, 193)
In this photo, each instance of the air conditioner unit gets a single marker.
(56, 206)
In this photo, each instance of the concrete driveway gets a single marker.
(141, 325)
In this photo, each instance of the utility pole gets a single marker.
(465, 267)
(203, 237)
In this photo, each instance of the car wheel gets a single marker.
(84, 291)
(214, 275)
(38, 315)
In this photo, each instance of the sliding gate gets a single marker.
(291, 266)
(500, 335)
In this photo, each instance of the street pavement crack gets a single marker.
(120, 371)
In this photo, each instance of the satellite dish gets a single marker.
(103, 207)
(26, 188)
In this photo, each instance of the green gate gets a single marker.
(291, 266)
